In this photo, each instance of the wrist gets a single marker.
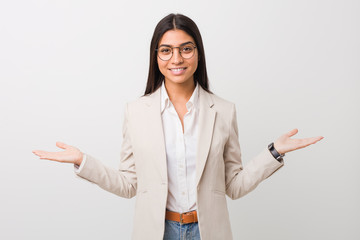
(279, 149)
(79, 159)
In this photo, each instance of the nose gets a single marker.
(176, 57)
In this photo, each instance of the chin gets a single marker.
(179, 80)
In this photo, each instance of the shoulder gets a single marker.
(145, 100)
(225, 110)
(225, 113)
(221, 105)
(143, 107)
(221, 101)
(139, 102)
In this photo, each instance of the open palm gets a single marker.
(285, 144)
(70, 155)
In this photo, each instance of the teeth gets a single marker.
(177, 69)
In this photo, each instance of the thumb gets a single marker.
(61, 145)
(292, 132)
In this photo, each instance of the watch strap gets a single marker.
(275, 153)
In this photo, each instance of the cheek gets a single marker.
(162, 66)
(195, 64)
(195, 61)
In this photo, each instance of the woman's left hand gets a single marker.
(285, 144)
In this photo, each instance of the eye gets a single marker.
(187, 48)
(165, 50)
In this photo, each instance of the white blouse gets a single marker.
(180, 152)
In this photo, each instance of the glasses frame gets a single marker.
(172, 50)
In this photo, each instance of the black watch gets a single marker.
(275, 153)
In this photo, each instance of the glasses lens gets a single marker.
(187, 51)
(165, 53)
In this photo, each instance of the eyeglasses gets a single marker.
(186, 51)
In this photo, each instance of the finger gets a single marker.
(318, 138)
(45, 155)
(39, 152)
(292, 132)
(54, 156)
(42, 154)
(61, 145)
(308, 141)
(313, 140)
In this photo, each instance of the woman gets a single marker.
(180, 153)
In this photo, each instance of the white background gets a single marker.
(67, 68)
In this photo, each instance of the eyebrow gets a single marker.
(168, 45)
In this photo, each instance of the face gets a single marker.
(178, 70)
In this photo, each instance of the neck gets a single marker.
(179, 91)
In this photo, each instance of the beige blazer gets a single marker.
(219, 170)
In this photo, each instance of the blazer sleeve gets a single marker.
(242, 180)
(122, 182)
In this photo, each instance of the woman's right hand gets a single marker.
(70, 155)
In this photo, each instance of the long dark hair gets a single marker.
(171, 22)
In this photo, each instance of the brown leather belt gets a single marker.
(183, 218)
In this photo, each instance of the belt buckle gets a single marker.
(186, 213)
(181, 218)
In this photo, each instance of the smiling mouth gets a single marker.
(177, 69)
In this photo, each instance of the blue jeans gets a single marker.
(177, 231)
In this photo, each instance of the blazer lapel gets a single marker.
(153, 116)
(206, 125)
